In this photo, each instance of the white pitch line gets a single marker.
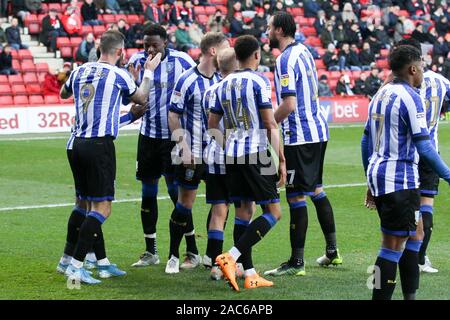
(66, 137)
(58, 205)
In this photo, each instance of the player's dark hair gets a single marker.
(403, 56)
(409, 42)
(245, 46)
(155, 30)
(286, 22)
(110, 41)
(211, 39)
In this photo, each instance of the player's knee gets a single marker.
(318, 191)
(149, 189)
(82, 204)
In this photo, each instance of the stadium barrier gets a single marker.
(59, 118)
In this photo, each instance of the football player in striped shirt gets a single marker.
(305, 132)
(187, 122)
(81, 207)
(154, 144)
(244, 102)
(217, 193)
(395, 136)
(98, 89)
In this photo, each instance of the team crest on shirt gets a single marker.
(284, 80)
(170, 66)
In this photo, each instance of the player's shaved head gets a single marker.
(227, 61)
(110, 41)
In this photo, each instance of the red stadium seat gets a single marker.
(133, 19)
(269, 75)
(86, 29)
(209, 11)
(21, 100)
(131, 51)
(25, 54)
(30, 78)
(36, 99)
(232, 41)
(98, 30)
(118, 17)
(309, 31)
(51, 99)
(384, 53)
(41, 67)
(202, 19)
(5, 90)
(55, 6)
(15, 54)
(28, 66)
(67, 101)
(34, 28)
(383, 64)
(16, 65)
(6, 100)
(297, 12)
(4, 79)
(15, 79)
(356, 74)
(33, 89)
(44, 7)
(313, 41)
(334, 75)
(320, 64)
(19, 89)
(75, 41)
(199, 10)
(108, 19)
(276, 52)
(195, 53)
(66, 52)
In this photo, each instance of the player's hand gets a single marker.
(282, 173)
(369, 201)
(153, 62)
(134, 71)
(186, 156)
(138, 110)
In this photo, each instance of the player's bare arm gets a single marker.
(286, 107)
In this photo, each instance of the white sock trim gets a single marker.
(190, 233)
(91, 256)
(150, 236)
(77, 264)
(250, 272)
(103, 262)
(235, 253)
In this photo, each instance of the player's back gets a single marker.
(98, 89)
(296, 75)
(396, 117)
(240, 96)
(435, 89)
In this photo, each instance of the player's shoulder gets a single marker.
(136, 56)
(431, 75)
(292, 52)
(188, 74)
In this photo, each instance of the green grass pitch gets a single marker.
(36, 172)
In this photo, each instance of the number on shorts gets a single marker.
(291, 175)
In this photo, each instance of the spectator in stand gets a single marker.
(348, 60)
(187, 13)
(136, 36)
(64, 73)
(20, 10)
(353, 34)
(3, 39)
(331, 59)
(348, 15)
(311, 8)
(382, 36)
(260, 22)
(373, 82)
(426, 21)
(112, 7)
(267, 57)
(235, 7)
(327, 36)
(6, 61)
(153, 13)
(323, 87)
(136, 7)
(366, 56)
(51, 86)
(169, 13)
(13, 35)
(360, 85)
(375, 44)
(438, 64)
(440, 47)
(71, 22)
(237, 25)
(336, 12)
(51, 29)
(446, 68)
(216, 22)
(420, 35)
(122, 27)
(184, 42)
(100, 5)
(339, 34)
(124, 6)
(196, 33)
(89, 14)
(399, 31)
(320, 23)
(3, 11)
(442, 26)
(343, 86)
(85, 47)
(94, 53)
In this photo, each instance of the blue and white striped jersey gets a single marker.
(187, 100)
(296, 75)
(214, 154)
(435, 89)
(98, 90)
(240, 96)
(154, 122)
(396, 118)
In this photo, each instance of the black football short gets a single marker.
(154, 158)
(189, 177)
(399, 212)
(94, 168)
(304, 166)
(216, 189)
(252, 178)
(429, 180)
(75, 179)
